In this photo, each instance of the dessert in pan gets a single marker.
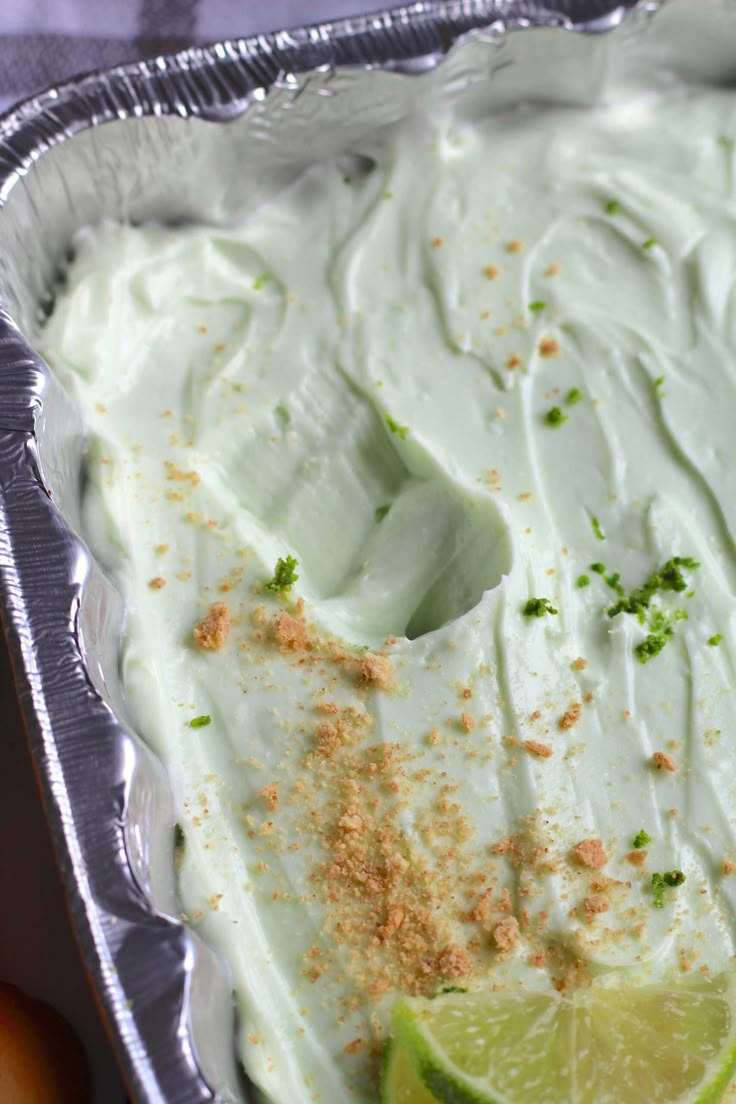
(419, 484)
(415, 479)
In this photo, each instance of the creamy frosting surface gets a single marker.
(480, 383)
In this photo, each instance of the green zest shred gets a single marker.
(555, 417)
(537, 607)
(574, 395)
(537, 305)
(715, 640)
(661, 882)
(612, 207)
(583, 581)
(399, 430)
(668, 577)
(284, 575)
(649, 243)
(597, 531)
(381, 512)
(641, 839)
(659, 623)
(200, 722)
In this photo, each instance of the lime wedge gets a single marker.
(400, 1084)
(603, 1045)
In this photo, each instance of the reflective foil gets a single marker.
(208, 134)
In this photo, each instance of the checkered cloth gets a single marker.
(46, 41)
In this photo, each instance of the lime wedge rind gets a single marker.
(401, 1083)
(648, 1045)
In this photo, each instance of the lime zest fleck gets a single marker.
(583, 581)
(200, 722)
(284, 575)
(537, 306)
(555, 416)
(649, 243)
(612, 207)
(381, 511)
(599, 568)
(574, 395)
(400, 430)
(538, 607)
(597, 531)
(261, 280)
(715, 640)
(641, 839)
(660, 882)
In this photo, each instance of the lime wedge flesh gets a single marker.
(603, 1045)
(400, 1083)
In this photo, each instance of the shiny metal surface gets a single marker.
(207, 134)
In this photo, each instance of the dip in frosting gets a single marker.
(420, 485)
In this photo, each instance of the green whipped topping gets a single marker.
(413, 770)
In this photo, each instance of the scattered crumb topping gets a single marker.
(453, 962)
(375, 670)
(539, 750)
(491, 272)
(178, 475)
(516, 245)
(157, 583)
(637, 858)
(590, 853)
(662, 761)
(468, 721)
(579, 664)
(571, 718)
(271, 794)
(292, 633)
(548, 347)
(506, 934)
(552, 270)
(594, 904)
(211, 633)
(728, 867)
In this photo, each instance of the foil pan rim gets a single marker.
(160, 1065)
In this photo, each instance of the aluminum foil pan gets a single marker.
(136, 143)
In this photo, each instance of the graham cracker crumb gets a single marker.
(506, 934)
(468, 721)
(571, 718)
(453, 962)
(548, 347)
(516, 245)
(728, 867)
(375, 669)
(483, 912)
(491, 272)
(579, 664)
(157, 583)
(539, 750)
(212, 631)
(637, 858)
(590, 853)
(594, 904)
(271, 795)
(662, 761)
(552, 270)
(292, 633)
